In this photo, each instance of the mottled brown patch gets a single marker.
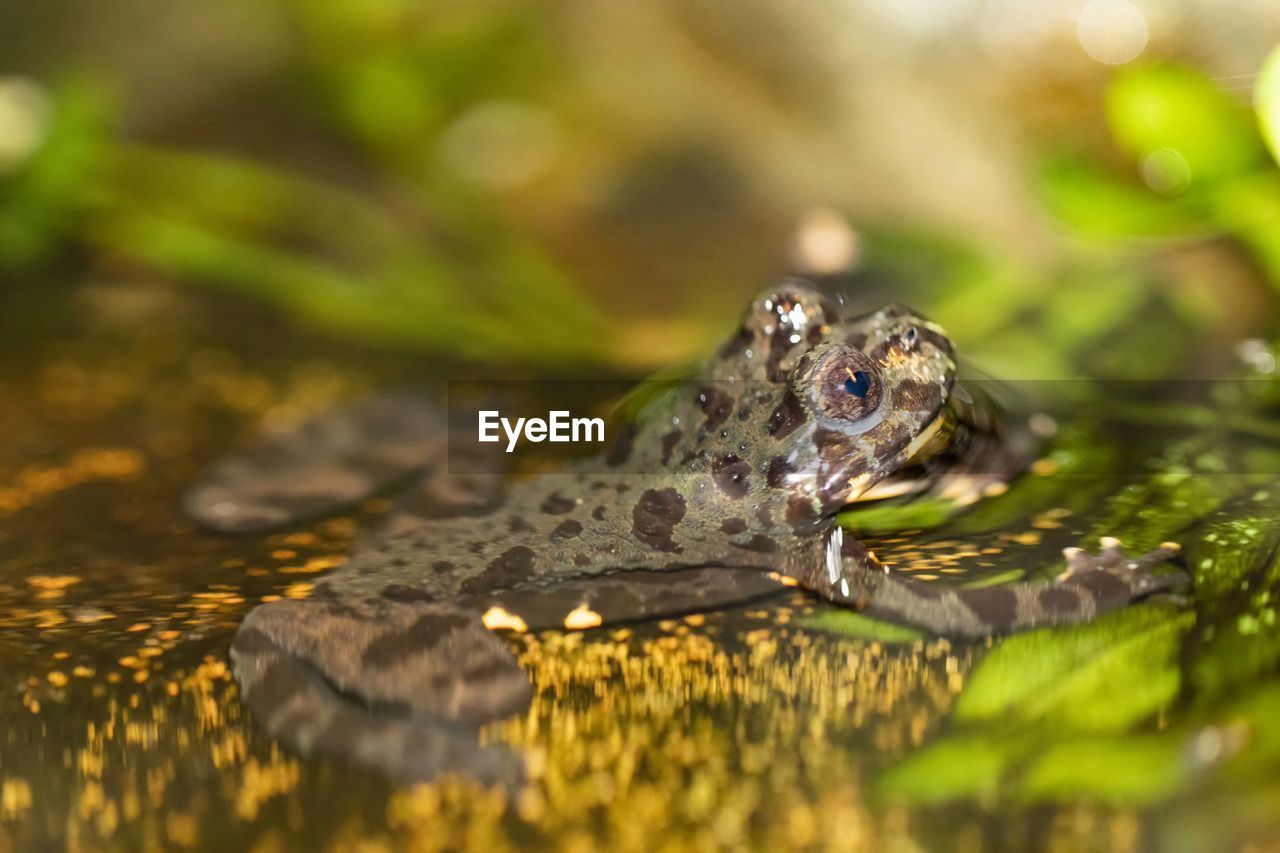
(759, 542)
(669, 442)
(737, 345)
(581, 560)
(1058, 600)
(557, 504)
(777, 472)
(1103, 586)
(402, 592)
(599, 513)
(995, 606)
(655, 517)
(567, 529)
(516, 524)
(620, 450)
(507, 569)
(733, 526)
(251, 641)
(716, 405)
(426, 632)
(765, 516)
(731, 475)
(803, 518)
(786, 416)
(443, 566)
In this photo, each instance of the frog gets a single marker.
(720, 490)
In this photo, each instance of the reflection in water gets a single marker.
(125, 728)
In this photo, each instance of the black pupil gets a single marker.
(858, 384)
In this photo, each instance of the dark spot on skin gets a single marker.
(598, 513)
(731, 475)
(737, 345)
(732, 526)
(279, 683)
(401, 592)
(777, 472)
(426, 632)
(929, 336)
(1103, 586)
(764, 516)
(567, 529)
(828, 439)
(442, 566)
(744, 415)
(655, 517)
(581, 560)
(1058, 600)
(669, 442)
(994, 605)
(399, 562)
(788, 415)
(519, 525)
(478, 546)
(802, 516)
(759, 542)
(557, 504)
(621, 449)
(507, 569)
(716, 405)
(251, 641)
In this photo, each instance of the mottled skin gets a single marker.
(721, 487)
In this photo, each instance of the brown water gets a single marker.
(123, 727)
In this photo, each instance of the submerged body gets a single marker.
(720, 488)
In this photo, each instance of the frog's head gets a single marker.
(851, 398)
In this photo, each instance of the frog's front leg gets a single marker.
(398, 686)
(1090, 585)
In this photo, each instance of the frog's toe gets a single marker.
(1137, 574)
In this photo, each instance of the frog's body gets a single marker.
(721, 487)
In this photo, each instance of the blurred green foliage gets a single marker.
(1196, 166)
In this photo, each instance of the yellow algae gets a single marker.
(1044, 467)
(15, 798)
(314, 565)
(260, 783)
(581, 618)
(497, 619)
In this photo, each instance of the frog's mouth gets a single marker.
(937, 437)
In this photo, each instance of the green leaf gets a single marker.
(1103, 676)
(1131, 770)
(1169, 108)
(952, 769)
(1266, 101)
(1097, 205)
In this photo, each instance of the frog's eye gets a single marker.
(858, 384)
(848, 385)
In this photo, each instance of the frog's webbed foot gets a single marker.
(399, 687)
(1090, 585)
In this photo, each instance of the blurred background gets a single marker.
(602, 184)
